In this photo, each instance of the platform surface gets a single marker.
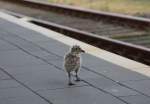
(31, 72)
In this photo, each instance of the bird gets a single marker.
(72, 62)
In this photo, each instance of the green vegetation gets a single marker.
(120, 6)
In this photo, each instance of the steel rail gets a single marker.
(134, 52)
(125, 20)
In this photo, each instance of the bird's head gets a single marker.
(77, 50)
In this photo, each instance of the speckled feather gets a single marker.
(72, 62)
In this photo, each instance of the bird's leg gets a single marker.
(70, 82)
(77, 78)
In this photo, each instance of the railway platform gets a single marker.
(31, 69)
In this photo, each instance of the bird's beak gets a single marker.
(83, 51)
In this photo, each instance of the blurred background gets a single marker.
(132, 7)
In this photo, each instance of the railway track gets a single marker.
(99, 25)
(87, 26)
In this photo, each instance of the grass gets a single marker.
(132, 7)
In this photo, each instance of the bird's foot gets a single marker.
(71, 84)
(78, 79)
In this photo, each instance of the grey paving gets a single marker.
(5, 84)
(138, 99)
(119, 91)
(3, 76)
(17, 58)
(142, 86)
(35, 74)
(23, 100)
(14, 92)
(55, 60)
(4, 46)
(59, 49)
(106, 84)
(19, 95)
(112, 71)
(77, 95)
(42, 77)
(24, 44)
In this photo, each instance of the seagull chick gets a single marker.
(72, 62)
